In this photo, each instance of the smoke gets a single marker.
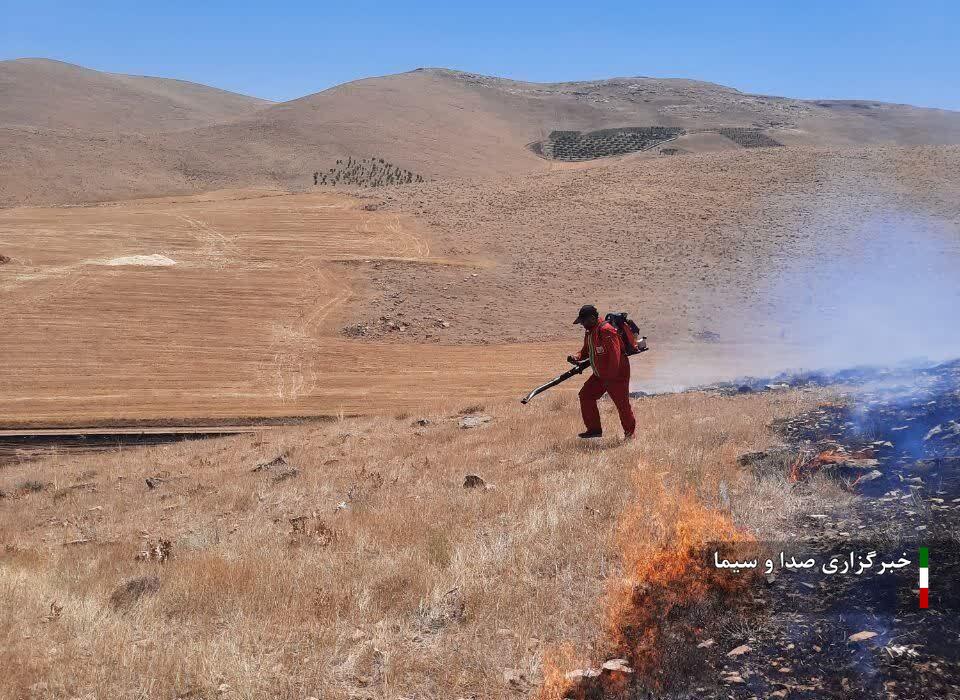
(866, 271)
(886, 292)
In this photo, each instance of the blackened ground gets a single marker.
(800, 626)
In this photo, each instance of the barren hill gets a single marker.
(435, 122)
(45, 94)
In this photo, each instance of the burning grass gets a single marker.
(368, 570)
(655, 609)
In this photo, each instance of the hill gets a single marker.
(51, 95)
(318, 303)
(437, 122)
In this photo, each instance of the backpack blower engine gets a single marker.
(628, 332)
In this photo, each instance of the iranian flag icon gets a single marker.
(924, 577)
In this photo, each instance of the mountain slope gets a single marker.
(36, 92)
(435, 122)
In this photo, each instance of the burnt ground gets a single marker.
(894, 441)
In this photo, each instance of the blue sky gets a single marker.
(886, 50)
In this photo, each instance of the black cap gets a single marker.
(586, 310)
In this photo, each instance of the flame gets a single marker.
(664, 572)
(807, 464)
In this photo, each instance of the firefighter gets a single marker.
(611, 373)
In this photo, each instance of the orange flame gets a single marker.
(657, 581)
(806, 465)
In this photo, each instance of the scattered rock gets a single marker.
(285, 474)
(355, 330)
(129, 593)
(869, 476)
(944, 431)
(862, 636)
(617, 666)
(278, 461)
(472, 481)
(474, 421)
(579, 675)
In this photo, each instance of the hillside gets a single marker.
(710, 241)
(315, 303)
(52, 95)
(437, 122)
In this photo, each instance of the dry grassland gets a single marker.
(414, 587)
(245, 323)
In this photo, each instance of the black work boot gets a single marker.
(590, 434)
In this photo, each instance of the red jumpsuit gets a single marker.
(611, 375)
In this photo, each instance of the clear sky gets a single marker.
(892, 50)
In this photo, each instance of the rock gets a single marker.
(288, 473)
(472, 481)
(4, 259)
(581, 674)
(733, 678)
(862, 636)
(706, 644)
(474, 421)
(128, 594)
(617, 666)
(422, 422)
(869, 476)
(275, 462)
(742, 649)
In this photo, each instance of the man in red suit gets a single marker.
(611, 373)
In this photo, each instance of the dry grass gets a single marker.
(417, 588)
